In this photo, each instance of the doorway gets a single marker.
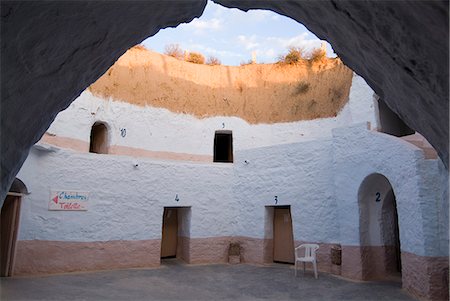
(223, 146)
(379, 229)
(390, 122)
(10, 216)
(391, 237)
(99, 138)
(169, 240)
(283, 238)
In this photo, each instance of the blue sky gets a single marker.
(232, 35)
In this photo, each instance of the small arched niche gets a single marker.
(378, 229)
(99, 142)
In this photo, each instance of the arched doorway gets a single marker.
(10, 215)
(99, 139)
(378, 229)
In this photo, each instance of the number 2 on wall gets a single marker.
(378, 197)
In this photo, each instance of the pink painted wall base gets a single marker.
(423, 277)
(47, 257)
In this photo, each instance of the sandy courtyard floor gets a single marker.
(177, 281)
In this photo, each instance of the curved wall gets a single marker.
(358, 153)
(229, 202)
(160, 133)
(315, 166)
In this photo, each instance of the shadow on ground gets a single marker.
(177, 281)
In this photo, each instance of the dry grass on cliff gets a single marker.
(174, 50)
(296, 55)
(213, 61)
(195, 57)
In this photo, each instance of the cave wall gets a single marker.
(51, 51)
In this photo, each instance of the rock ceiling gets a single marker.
(51, 51)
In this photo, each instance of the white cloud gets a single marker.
(259, 15)
(203, 26)
(270, 53)
(213, 23)
(296, 41)
(232, 35)
(301, 40)
(248, 42)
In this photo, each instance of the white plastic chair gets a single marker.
(309, 256)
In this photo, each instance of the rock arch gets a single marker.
(400, 48)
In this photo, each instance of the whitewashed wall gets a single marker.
(320, 180)
(124, 202)
(161, 130)
(315, 166)
(299, 175)
(358, 153)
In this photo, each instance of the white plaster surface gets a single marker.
(125, 203)
(362, 103)
(299, 175)
(320, 180)
(433, 198)
(158, 129)
(314, 166)
(358, 153)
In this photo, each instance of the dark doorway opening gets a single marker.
(391, 236)
(175, 239)
(99, 139)
(10, 216)
(223, 146)
(390, 122)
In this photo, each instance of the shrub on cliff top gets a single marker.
(139, 47)
(174, 50)
(294, 55)
(196, 58)
(317, 55)
(249, 62)
(212, 60)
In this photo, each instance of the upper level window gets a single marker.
(99, 139)
(223, 146)
(390, 123)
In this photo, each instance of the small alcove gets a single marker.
(99, 139)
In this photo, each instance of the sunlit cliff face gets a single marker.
(257, 93)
